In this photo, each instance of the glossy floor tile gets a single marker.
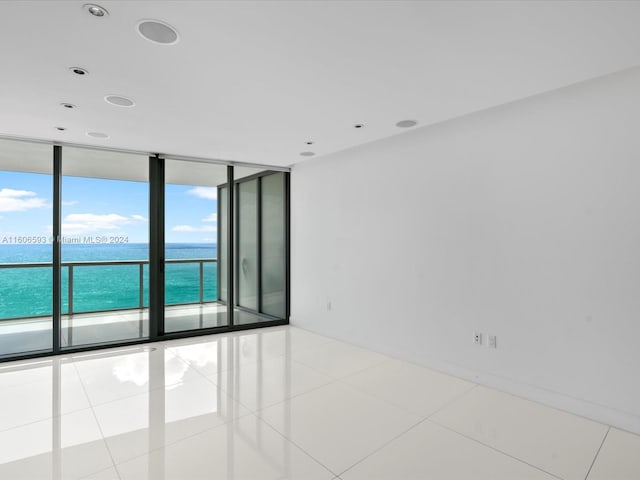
(339, 359)
(208, 355)
(619, 457)
(283, 403)
(27, 371)
(109, 474)
(121, 373)
(430, 451)
(136, 425)
(269, 382)
(216, 354)
(337, 424)
(290, 341)
(554, 441)
(65, 447)
(246, 449)
(417, 389)
(52, 388)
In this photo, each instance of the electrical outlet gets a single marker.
(492, 341)
(477, 338)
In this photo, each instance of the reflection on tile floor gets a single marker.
(283, 403)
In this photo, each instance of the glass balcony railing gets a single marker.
(102, 286)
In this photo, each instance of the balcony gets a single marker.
(109, 311)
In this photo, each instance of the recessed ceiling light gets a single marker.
(61, 129)
(158, 32)
(406, 123)
(79, 71)
(97, 135)
(119, 101)
(68, 105)
(358, 125)
(307, 154)
(95, 10)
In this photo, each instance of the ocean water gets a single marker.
(26, 292)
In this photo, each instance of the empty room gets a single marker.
(319, 240)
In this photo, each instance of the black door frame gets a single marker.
(156, 263)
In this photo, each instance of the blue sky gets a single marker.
(96, 207)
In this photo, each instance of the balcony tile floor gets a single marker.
(263, 404)
(34, 334)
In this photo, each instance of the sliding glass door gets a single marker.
(273, 271)
(261, 233)
(101, 248)
(105, 247)
(247, 241)
(26, 254)
(192, 256)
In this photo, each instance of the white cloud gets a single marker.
(211, 218)
(19, 200)
(139, 218)
(69, 203)
(189, 228)
(9, 192)
(209, 193)
(80, 223)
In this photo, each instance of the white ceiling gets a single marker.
(253, 81)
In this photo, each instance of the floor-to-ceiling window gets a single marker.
(247, 241)
(261, 243)
(192, 256)
(101, 248)
(105, 246)
(273, 271)
(26, 255)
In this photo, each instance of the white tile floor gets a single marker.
(283, 403)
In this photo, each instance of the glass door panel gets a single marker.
(26, 252)
(105, 247)
(223, 249)
(261, 246)
(273, 225)
(247, 255)
(191, 245)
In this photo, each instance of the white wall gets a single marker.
(522, 221)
